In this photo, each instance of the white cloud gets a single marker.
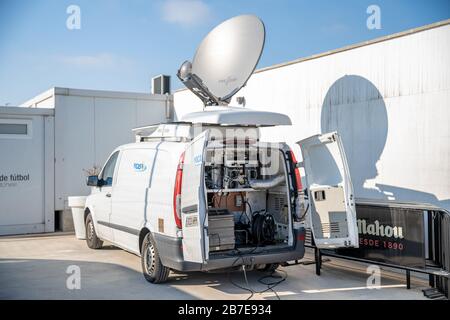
(100, 60)
(185, 12)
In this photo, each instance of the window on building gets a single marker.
(13, 128)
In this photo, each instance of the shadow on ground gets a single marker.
(52, 279)
(48, 279)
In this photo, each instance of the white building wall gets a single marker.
(26, 187)
(389, 99)
(89, 125)
(77, 132)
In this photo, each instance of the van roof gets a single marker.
(160, 131)
(237, 116)
(214, 116)
(167, 145)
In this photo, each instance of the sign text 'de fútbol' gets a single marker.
(14, 177)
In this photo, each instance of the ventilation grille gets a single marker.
(278, 203)
(308, 237)
(332, 227)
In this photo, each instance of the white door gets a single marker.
(26, 173)
(332, 214)
(102, 206)
(193, 202)
(129, 200)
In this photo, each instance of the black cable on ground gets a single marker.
(270, 285)
(245, 276)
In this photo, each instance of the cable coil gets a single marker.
(263, 229)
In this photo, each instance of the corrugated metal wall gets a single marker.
(389, 100)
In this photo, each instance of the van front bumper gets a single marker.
(171, 254)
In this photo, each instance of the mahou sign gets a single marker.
(390, 235)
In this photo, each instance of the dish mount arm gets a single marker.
(196, 85)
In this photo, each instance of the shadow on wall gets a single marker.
(355, 108)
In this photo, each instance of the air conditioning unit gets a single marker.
(161, 84)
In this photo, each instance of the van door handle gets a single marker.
(190, 209)
(108, 195)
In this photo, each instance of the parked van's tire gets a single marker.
(271, 267)
(152, 268)
(92, 240)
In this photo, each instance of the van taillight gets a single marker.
(177, 192)
(298, 180)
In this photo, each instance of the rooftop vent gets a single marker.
(161, 84)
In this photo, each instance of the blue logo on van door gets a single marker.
(198, 159)
(139, 167)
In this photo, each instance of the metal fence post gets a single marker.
(318, 259)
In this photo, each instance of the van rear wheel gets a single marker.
(271, 267)
(92, 240)
(152, 268)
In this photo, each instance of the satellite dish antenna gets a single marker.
(225, 60)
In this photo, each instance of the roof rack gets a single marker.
(172, 131)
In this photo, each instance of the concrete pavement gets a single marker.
(36, 267)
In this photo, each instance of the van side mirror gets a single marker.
(93, 181)
(299, 164)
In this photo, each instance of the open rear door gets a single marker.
(332, 213)
(193, 202)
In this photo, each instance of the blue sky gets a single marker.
(122, 43)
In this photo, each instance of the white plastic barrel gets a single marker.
(77, 206)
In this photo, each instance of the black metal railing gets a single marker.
(436, 240)
(439, 247)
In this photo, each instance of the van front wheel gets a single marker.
(92, 240)
(152, 268)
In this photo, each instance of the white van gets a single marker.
(206, 194)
